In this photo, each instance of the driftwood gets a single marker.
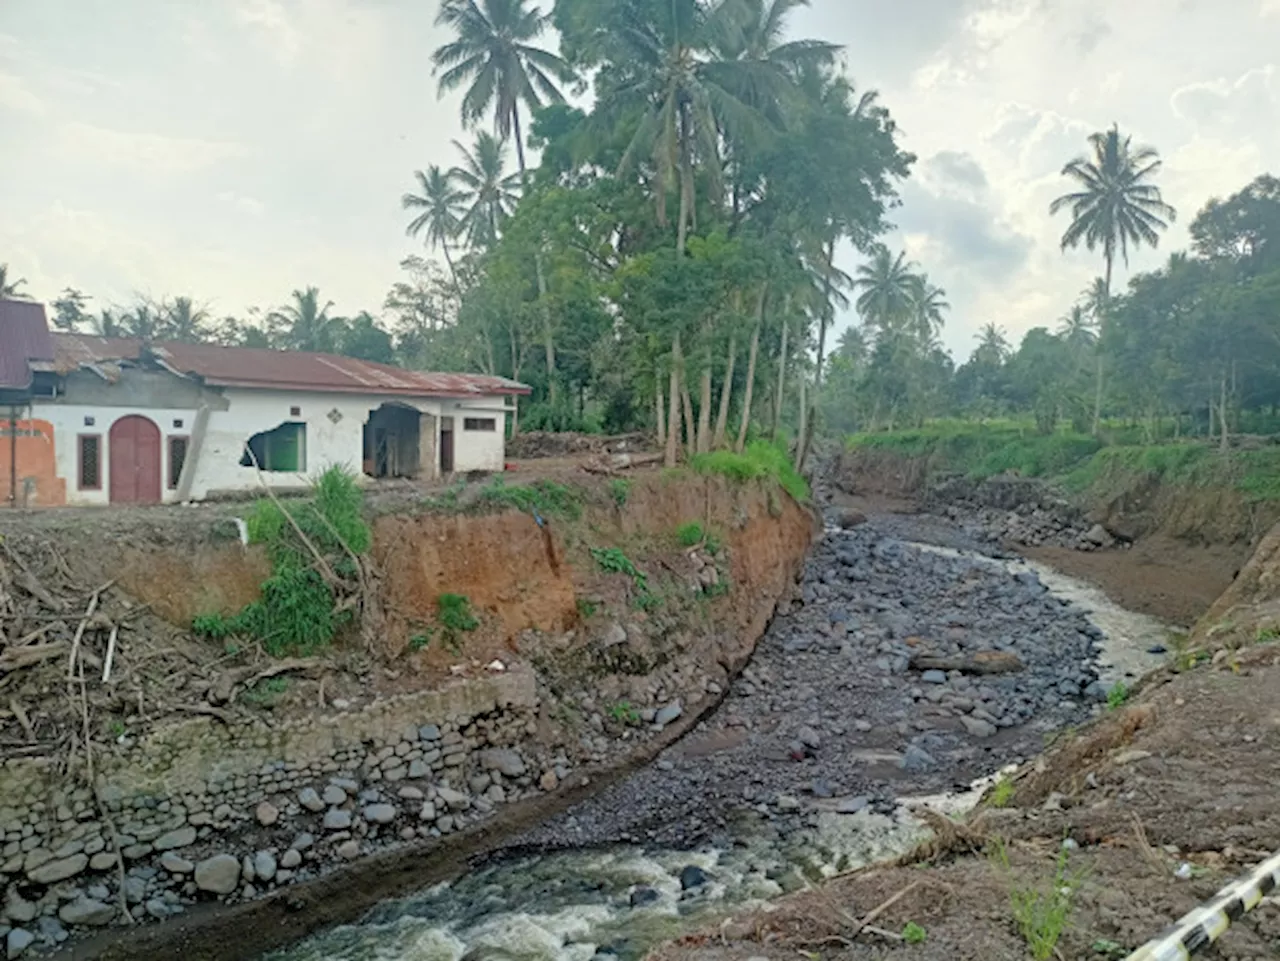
(983, 662)
(15, 658)
(613, 463)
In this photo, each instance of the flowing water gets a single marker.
(618, 902)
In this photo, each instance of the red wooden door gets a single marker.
(134, 452)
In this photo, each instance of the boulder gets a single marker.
(219, 874)
(55, 871)
(17, 942)
(310, 800)
(849, 518)
(506, 762)
(380, 813)
(86, 911)
(668, 714)
(267, 814)
(180, 838)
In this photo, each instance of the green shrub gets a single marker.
(760, 459)
(453, 612)
(913, 933)
(620, 488)
(297, 613)
(1001, 794)
(545, 497)
(1118, 694)
(690, 534)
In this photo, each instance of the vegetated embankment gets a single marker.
(534, 642)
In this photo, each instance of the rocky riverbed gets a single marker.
(869, 687)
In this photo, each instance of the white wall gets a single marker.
(329, 440)
(68, 422)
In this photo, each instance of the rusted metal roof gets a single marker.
(24, 338)
(280, 369)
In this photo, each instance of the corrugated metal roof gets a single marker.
(282, 370)
(24, 337)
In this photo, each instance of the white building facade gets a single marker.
(177, 423)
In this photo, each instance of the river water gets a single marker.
(620, 901)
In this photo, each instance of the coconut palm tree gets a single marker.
(306, 322)
(1116, 207)
(1077, 329)
(928, 304)
(107, 324)
(9, 288)
(771, 63)
(486, 191)
(494, 53)
(183, 320)
(889, 286)
(143, 322)
(441, 214)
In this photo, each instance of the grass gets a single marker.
(1117, 696)
(298, 612)
(1001, 794)
(543, 497)
(759, 460)
(620, 490)
(455, 616)
(690, 534)
(1041, 915)
(913, 933)
(980, 450)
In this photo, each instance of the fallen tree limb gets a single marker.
(16, 658)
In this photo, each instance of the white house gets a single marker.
(118, 421)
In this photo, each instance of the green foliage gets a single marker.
(1041, 913)
(981, 451)
(913, 933)
(620, 490)
(690, 534)
(421, 640)
(297, 611)
(614, 561)
(1001, 794)
(546, 497)
(624, 713)
(1109, 949)
(1117, 696)
(266, 692)
(587, 608)
(455, 616)
(759, 459)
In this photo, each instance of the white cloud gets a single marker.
(17, 96)
(274, 27)
(242, 204)
(147, 153)
(1270, 8)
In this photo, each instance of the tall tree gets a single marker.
(69, 309)
(182, 320)
(495, 54)
(928, 308)
(486, 191)
(888, 287)
(441, 209)
(1115, 206)
(306, 322)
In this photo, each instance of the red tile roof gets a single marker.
(280, 369)
(24, 337)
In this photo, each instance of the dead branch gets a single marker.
(111, 654)
(80, 629)
(20, 713)
(16, 658)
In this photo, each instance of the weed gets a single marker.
(1268, 634)
(453, 611)
(1185, 657)
(1117, 696)
(298, 612)
(624, 713)
(613, 561)
(1108, 948)
(620, 489)
(1042, 916)
(116, 728)
(690, 534)
(1001, 794)
(266, 692)
(544, 497)
(422, 640)
(446, 500)
(913, 933)
(586, 608)
(760, 460)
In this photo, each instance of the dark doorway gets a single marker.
(134, 456)
(446, 445)
(391, 441)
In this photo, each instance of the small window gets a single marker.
(177, 423)
(295, 411)
(283, 449)
(88, 421)
(177, 457)
(90, 457)
(479, 423)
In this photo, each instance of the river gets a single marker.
(619, 901)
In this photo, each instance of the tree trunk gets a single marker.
(704, 393)
(1222, 413)
(751, 370)
(726, 391)
(782, 368)
(519, 139)
(690, 426)
(686, 185)
(547, 335)
(827, 314)
(804, 419)
(673, 406)
(1097, 396)
(453, 271)
(661, 418)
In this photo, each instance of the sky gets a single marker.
(234, 150)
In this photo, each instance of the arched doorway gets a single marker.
(134, 451)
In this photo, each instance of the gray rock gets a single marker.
(615, 634)
(180, 838)
(809, 738)
(310, 800)
(51, 929)
(456, 800)
(429, 732)
(786, 802)
(56, 871)
(19, 909)
(264, 865)
(86, 911)
(977, 727)
(176, 864)
(506, 762)
(917, 760)
(334, 795)
(303, 841)
(668, 714)
(428, 812)
(644, 895)
(291, 859)
(17, 942)
(102, 861)
(692, 876)
(157, 909)
(380, 813)
(349, 850)
(335, 819)
(219, 874)
(934, 677)
(419, 770)
(852, 805)
(267, 814)
(135, 889)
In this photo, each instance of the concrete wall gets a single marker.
(334, 431)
